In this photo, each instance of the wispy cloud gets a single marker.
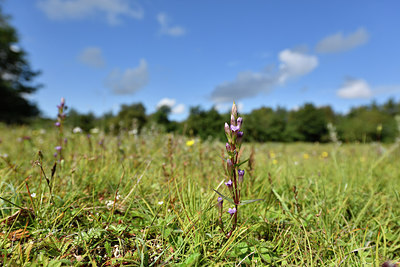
(354, 88)
(295, 64)
(166, 28)
(178, 109)
(249, 84)
(171, 103)
(339, 43)
(113, 10)
(128, 81)
(92, 56)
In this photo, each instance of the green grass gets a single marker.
(150, 201)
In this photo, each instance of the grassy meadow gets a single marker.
(148, 200)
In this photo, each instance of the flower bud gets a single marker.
(239, 138)
(229, 165)
(233, 120)
(57, 124)
(227, 130)
(228, 147)
(240, 175)
(239, 122)
(220, 202)
(234, 110)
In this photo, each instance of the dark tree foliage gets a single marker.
(205, 123)
(308, 123)
(16, 77)
(129, 117)
(84, 121)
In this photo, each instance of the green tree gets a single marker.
(205, 123)
(130, 116)
(16, 77)
(308, 123)
(84, 121)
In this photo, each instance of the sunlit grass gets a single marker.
(149, 200)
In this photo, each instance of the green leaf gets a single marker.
(237, 165)
(248, 201)
(225, 197)
(192, 259)
(282, 202)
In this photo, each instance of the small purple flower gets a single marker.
(229, 184)
(239, 121)
(55, 154)
(58, 148)
(235, 128)
(232, 211)
(65, 140)
(57, 124)
(240, 174)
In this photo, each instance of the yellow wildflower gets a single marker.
(274, 162)
(324, 154)
(272, 155)
(190, 142)
(306, 156)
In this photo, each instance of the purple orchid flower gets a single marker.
(232, 211)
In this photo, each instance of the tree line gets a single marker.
(308, 123)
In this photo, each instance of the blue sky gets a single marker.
(101, 54)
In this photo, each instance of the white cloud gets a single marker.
(339, 43)
(248, 84)
(92, 56)
(166, 29)
(129, 81)
(171, 103)
(178, 109)
(354, 88)
(295, 64)
(81, 9)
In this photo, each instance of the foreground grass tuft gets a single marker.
(149, 200)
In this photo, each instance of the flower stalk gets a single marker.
(235, 176)
(60, 125)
